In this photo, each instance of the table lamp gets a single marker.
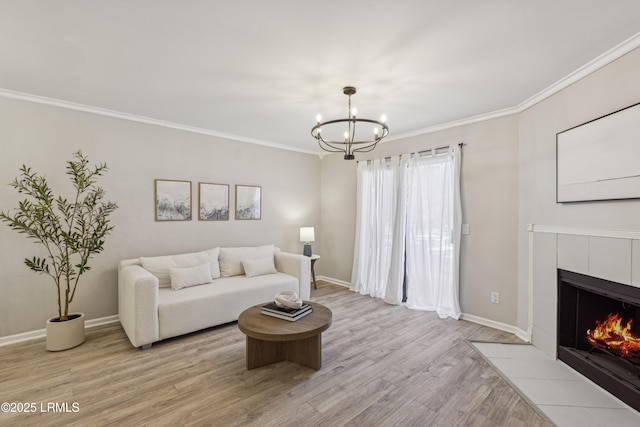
(307, 236)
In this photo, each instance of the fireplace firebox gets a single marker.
(599, 332)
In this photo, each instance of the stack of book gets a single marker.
(286, 313)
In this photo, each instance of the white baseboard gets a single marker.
(41, 333)
(523, 335)
(497, 325)
(334, 281)
(102, 321)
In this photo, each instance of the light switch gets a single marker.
(465, 228)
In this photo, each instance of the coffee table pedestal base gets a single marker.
(306, 352)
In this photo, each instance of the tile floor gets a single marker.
(565, 396)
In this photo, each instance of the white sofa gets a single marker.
(166, 296)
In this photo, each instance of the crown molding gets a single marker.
(590, 67)
(5, 93)
(456, 123)
(601, 61)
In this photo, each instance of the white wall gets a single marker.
(609, 89)
(337, 216)
(489, 199)
(44, 138)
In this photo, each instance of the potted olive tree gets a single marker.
(71, 231)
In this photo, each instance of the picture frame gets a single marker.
(597, 160)
(172, 200)
(248, 202)
(213, 202)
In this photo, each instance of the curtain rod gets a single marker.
(460, 144)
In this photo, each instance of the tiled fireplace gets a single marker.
(599, 332)
(580, 282)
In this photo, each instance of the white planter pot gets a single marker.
(67, 334)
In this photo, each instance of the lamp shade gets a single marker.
(307, 234)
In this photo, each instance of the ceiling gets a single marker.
(260, 71)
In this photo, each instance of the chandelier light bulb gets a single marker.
(375, 131)
(354, 111)
(318, 118)
(319, 130)
(346, 135)
(383, 118)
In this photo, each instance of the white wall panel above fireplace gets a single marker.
(610, 259)
(635, 263)
(573, 253)
(604, 257)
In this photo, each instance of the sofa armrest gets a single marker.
(138, 304)
(296, 265)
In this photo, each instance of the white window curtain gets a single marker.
(408, 209)
(377, 246)
(433, 233)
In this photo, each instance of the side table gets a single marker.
(314, 258)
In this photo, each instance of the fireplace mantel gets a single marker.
(555, 229)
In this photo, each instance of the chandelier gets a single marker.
(349, 145)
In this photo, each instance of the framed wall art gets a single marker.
(213, 202)
(173, 200)
(248, 201)
(598, 160)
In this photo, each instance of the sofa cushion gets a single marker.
(215, 303)
(159, 266)
(259, 266)
(184, 277)
(231, 258)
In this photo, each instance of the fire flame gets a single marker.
(613, 336)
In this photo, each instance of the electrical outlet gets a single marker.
(465, 229)
(495, 297)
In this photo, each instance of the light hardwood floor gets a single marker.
(382, 366)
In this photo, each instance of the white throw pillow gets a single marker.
(259, 266)
(183, 277)
(231, 258)
(159, 266)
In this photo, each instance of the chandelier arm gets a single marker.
(357, 119)
(368, 148)
(360, 143)
(341, 149)
(328, 144)
(330, 122)
(350, 119)
(365, 149)
(383, 126)
(344, 143)
(331, 151)
(353, 131)
(348, 154)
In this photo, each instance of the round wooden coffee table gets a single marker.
(271, 340)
